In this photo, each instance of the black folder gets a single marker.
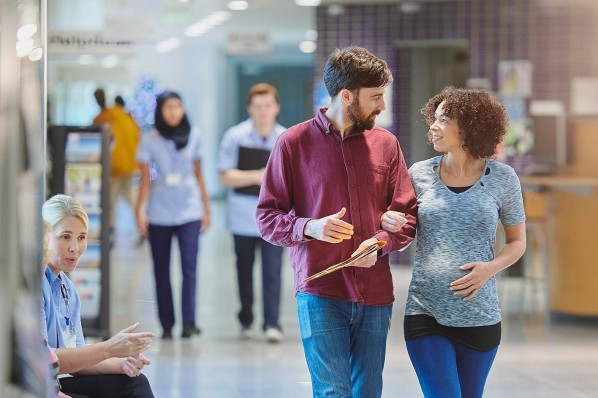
(251, 159)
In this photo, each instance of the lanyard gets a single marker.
(68, 318)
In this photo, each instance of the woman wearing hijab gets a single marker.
(172, 201)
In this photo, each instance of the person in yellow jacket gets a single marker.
(125, 139)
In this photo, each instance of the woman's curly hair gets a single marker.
(481, 118)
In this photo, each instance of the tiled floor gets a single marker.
(538, 357)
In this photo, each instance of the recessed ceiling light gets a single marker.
(410, 8)
(307, 46)
(26, 31)
(308, 3)
(335, 10)
(311, 35)
(237, 5)
(24, 47)
(36, 54)
(85, 59)
(205, 24)
(168, 44)
(110, 61)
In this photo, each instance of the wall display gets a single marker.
(515, 88)
(83, 147)
(515, 78)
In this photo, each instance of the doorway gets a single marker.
(294, 84)
(434, 64)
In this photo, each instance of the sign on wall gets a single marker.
(79, 42)
(248, 43)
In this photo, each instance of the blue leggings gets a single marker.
(447, 369)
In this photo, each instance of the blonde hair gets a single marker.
(46, 239)
(60, 206)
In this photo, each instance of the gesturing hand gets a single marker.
(330, 228)
(132, 366)
(126, 343)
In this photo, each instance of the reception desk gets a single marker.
(572, 223)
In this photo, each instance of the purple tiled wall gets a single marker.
(559, 37)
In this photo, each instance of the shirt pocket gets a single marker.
(375, 179)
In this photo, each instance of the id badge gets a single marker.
(70, 339)
(173, 179)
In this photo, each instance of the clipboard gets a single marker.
(251, 159)
(368, 250)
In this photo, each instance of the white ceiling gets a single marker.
(283, 20)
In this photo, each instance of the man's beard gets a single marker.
(356, 116)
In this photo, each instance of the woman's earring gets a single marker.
(464, 147)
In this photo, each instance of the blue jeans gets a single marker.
(160, 238)
(447, 369)
(271, 265)
(344, 344)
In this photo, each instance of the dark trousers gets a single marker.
(107, 386)
(160, 238)
(245, 247)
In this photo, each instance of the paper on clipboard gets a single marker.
(368, 250)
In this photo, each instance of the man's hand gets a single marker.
(393, 221)
(330, 228)
(370, 259)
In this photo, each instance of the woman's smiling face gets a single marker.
(68, 241)
(444, 132)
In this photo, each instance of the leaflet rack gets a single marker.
(79, 166)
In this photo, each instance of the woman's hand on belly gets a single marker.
(471, 284)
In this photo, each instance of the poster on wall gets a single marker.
(520, 138)
(584, 96)
(515, 88)
(515, 78)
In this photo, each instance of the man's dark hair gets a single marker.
(118, 100)
(353, 68)
(100, 97)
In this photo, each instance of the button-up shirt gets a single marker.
(312, 173)
(240, 208)
(54, 312)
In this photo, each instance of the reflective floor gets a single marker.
(538, 357)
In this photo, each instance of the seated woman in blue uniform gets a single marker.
(109, 369)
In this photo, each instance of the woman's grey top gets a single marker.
(454, 229)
